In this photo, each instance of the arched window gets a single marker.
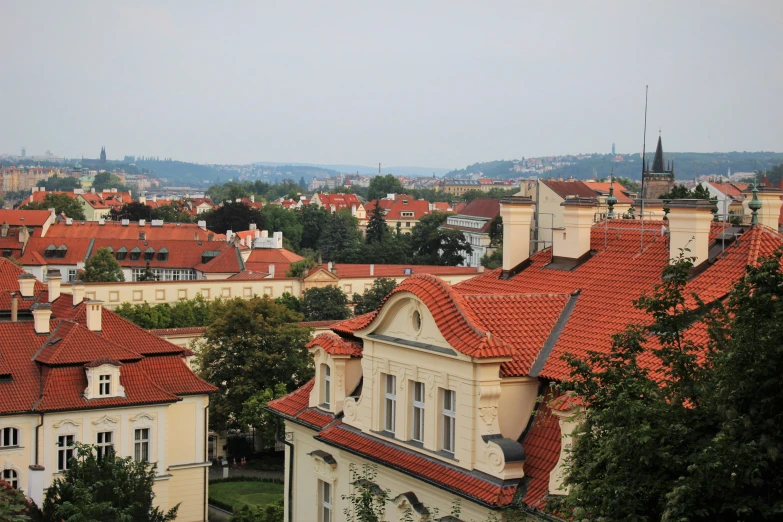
(9, 437)
(327, 387)
(10, 476)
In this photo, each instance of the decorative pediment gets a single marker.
(67, 424)
(105, 422)
(144, 419)
(321, 274)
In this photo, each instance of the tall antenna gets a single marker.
(644, 151)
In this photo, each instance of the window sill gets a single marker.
(415, 445)
(9, 448)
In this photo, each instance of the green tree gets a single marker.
(105, 489)
(366, 500)
(433, 245)
(66, 184)
(493, 260)
(377, 229)
(174, 212)
(264, 422)
(341, 234)
(61, 203)
(314, 220)
(325, 304)
(107, 180)
(101, 267)
(251, 345)
(147, 275)
(146, 316)
(373, 297)
(496, 231)
(231, 216)
(277, 218)
(291, 302)
(14, 507)
(133, 211)
(382, 185)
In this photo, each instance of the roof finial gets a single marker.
(755, 204)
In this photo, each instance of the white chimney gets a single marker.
(69, 221)
(155, 198)
(689, 227)
(271, 270)
(142, 200)
(517, 214)
(329, 266)
(53, 279)
(77, 291)
(252, 226)
(92, 190)
(202, 225)
(573, 240)
(94, 315)
(26, 285)
(142, 222)
(42, 313)
(372, 269)
(264, 233)
(252, 198)
(101, 221)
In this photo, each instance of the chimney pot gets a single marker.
(14, 307)
(271, 270)
(94, 315)
(77, 291)
(517, 214)
(53, 279)
(578, 217)
(26, 285)
(42, 313)
(689, 227)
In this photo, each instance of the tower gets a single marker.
(103, 154)
(613, 151)
(660, 178)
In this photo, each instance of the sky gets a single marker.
(405, 83)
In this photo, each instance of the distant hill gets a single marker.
(181, 172)
(686, 165)
(368, 171)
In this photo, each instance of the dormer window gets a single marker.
(135, 254)
(163, 254)
(149, 254)
(51, 251)
(327, 384)
(104, 385)
(61, 251)
(122, 253)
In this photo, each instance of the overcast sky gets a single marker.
(438, 84)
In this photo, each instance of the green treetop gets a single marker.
(101, 267)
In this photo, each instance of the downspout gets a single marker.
(206, 469)
(36, 438)
(290, 480)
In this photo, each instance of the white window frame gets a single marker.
(104, 385)
(418, 408)
(142, 444)
(448, 420)
(103, 443)
(65, 447)
(326, 494)
(327, 385)
(390, 404)
(72, 275)
(9, 437)
(11, 476)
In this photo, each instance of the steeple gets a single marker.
(103, 155)
(658, 161)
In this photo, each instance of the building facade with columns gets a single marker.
(445, 390)
(72, 371)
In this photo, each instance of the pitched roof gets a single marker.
(363, 270)
(480, 207)
(228, 261)
(294, 406)
(71, 343)
(602, 188)
(260, 259)
(541, 443)
(336, 345)
(574, 188)
(116, 230)
(29, 218)
(474, 486)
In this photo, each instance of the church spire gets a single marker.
(658, 165)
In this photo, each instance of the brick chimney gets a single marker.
(572, 242)
(689, 227)
(53, 278)
(26, 285)
(42, 313)
(94, 315)
(517, 214)
(77, 291)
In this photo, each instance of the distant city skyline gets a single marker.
(441, 85)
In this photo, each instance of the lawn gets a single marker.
(254, 494)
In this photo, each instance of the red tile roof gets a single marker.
(570, 188)
(336, 345)
(228, 261)
(30, 218)
(249, 275)
(260, 259)
(72, 343)
(340, 201)
(363, 270)
(486, 208)
(451, 478)
(603, 189)
(40, 195)
(542, 451)
(116, 230)
(294, 406)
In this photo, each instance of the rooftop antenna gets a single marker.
(644, 151)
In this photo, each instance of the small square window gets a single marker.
(104, 385)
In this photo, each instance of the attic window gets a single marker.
(110, 249)
(51, 251)
(135, 254)
(122, 253)
(163, 254)
(208, 256)
(61, 251)
(149, 254)
(104, 385)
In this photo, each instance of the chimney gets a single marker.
(517, 213)
(770, 200)
(77, 291)
(53, 278)
(42, 312)
(94, 315)
(573, 240)
(155, 198)
(142, 222)
(689, 227)
(329, 266)
(14, 307)
(252, 226)
(271, 270)
(26, 284)
(142, 200)
(372, 269)
(264, 233)
(252, 198)
(92, 190)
